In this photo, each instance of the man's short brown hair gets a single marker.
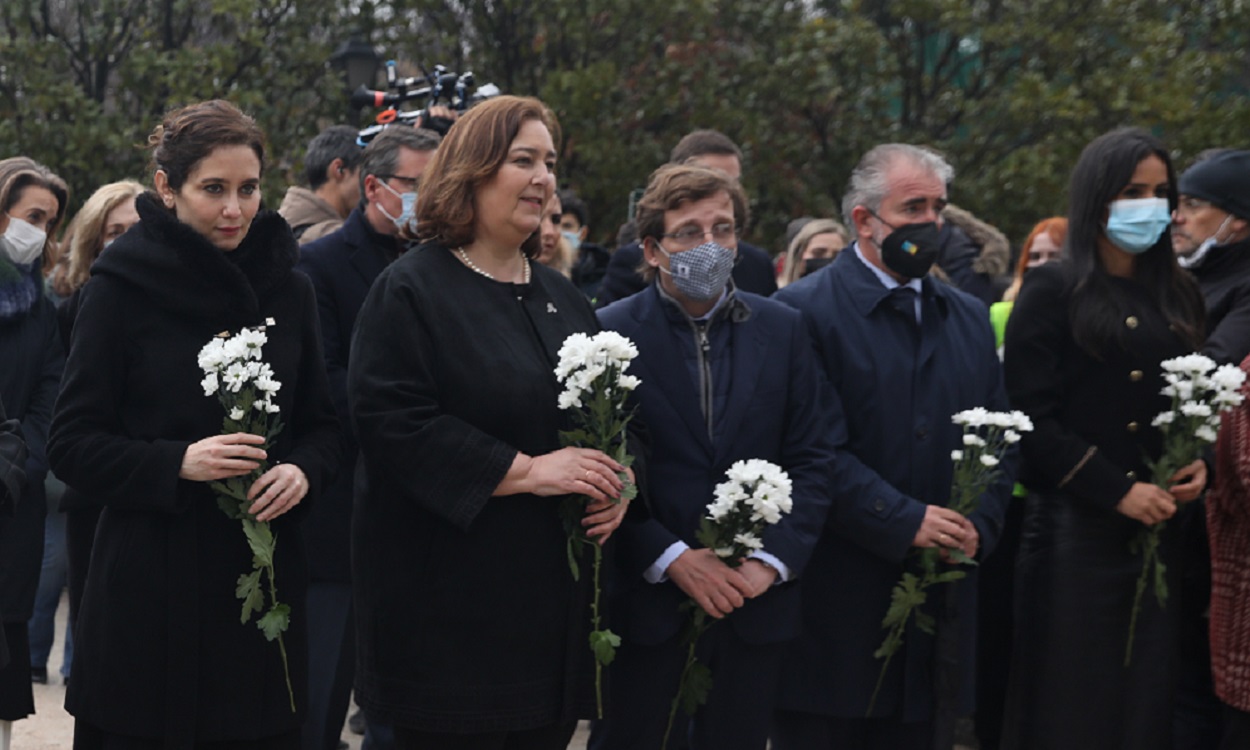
(673, 185)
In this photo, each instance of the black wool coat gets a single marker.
(160, 652)
(468, 619)
(31, 358)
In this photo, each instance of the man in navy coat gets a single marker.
(753, 271)
(726, 376)
(342, 266)
(904, 353)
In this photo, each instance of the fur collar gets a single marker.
(995, 253)
(182, 272)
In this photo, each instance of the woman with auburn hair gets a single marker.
(472, 632)
(1043, 245)
(1082, 358)
(106, 215)
(32, 203)
(162, 658)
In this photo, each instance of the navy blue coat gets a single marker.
(770, 405)
(342, 266)
(898, 398)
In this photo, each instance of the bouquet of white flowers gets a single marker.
(986, 437)
(1200, 391)
(245, 387)
(755, 495)
(596, 388)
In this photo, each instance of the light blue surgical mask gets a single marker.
(573, 238)
(407, 219)
(1134, 225)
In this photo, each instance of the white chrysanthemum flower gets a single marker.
(234, 377)
(1192, 364)
(267, 384)
(628, 382)
(750, 541)
(957, 455)
(989, 461)
(209, 384)
(1011, 437)
(1021, 422)
(977, 417)
(271, 407)
(236, 413)
(1205, 433)
(1164, 418)
(569, 399)
(252, 340)
(972, 440)
(212, 355)
(1195, 409)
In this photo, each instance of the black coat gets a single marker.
(1075, 574)
(1224, 278)
(468, 619)
(160, 652)
(753, 273)
(32, 359)
(12, 481)
(342, 266)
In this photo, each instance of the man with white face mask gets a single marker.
(342, 266)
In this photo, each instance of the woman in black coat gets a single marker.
(1082, 359)
(32, 202)
(161, 658)
(471, 630)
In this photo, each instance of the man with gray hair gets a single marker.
(904, 352)
(342, 266)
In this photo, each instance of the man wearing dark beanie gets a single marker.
(1211, 237)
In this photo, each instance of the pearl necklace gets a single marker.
(525, 271)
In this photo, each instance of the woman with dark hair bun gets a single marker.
(1082, 359)
(472, 632)
(161, 658)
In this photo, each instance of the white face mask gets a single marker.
(22, 242)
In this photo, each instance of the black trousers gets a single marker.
(89, 737)
(644, 681)
(554, 737)
(794, 730)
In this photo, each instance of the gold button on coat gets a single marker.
(1135, 375)
(1131, 475)
(1131, 321)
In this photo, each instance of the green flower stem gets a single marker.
(1150, 558)
(595, 622)
(286, 667)
(700, 626)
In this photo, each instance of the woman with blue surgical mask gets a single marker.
(32, 202)
(1082, 359)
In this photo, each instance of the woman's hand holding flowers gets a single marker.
(604, 516)
(1189, 481)
(222, 456)
(277, 491)
(1148, 503)
(568, 471)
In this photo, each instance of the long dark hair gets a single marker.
(1105, 167)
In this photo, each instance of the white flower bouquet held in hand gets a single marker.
(754, 495)
(986, 437)
(245, 387)
(1200, 391)
(596, 391)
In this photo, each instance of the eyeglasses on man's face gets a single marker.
(689, 236)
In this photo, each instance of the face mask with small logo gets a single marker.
(22, 242)
(910, 250)
(407, 219)
(701, 272)
(573, 238)
(1135, 224)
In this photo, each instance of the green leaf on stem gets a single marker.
(926, 622)
(275, 622)
(957, 555)
(698, 684)
(949, 576)
(248, 589)
(603, 643)
(261, 540)
(630, 490)
(573, 548)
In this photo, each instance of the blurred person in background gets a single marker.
(331, 169)
(33, 201)
(817, 240)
